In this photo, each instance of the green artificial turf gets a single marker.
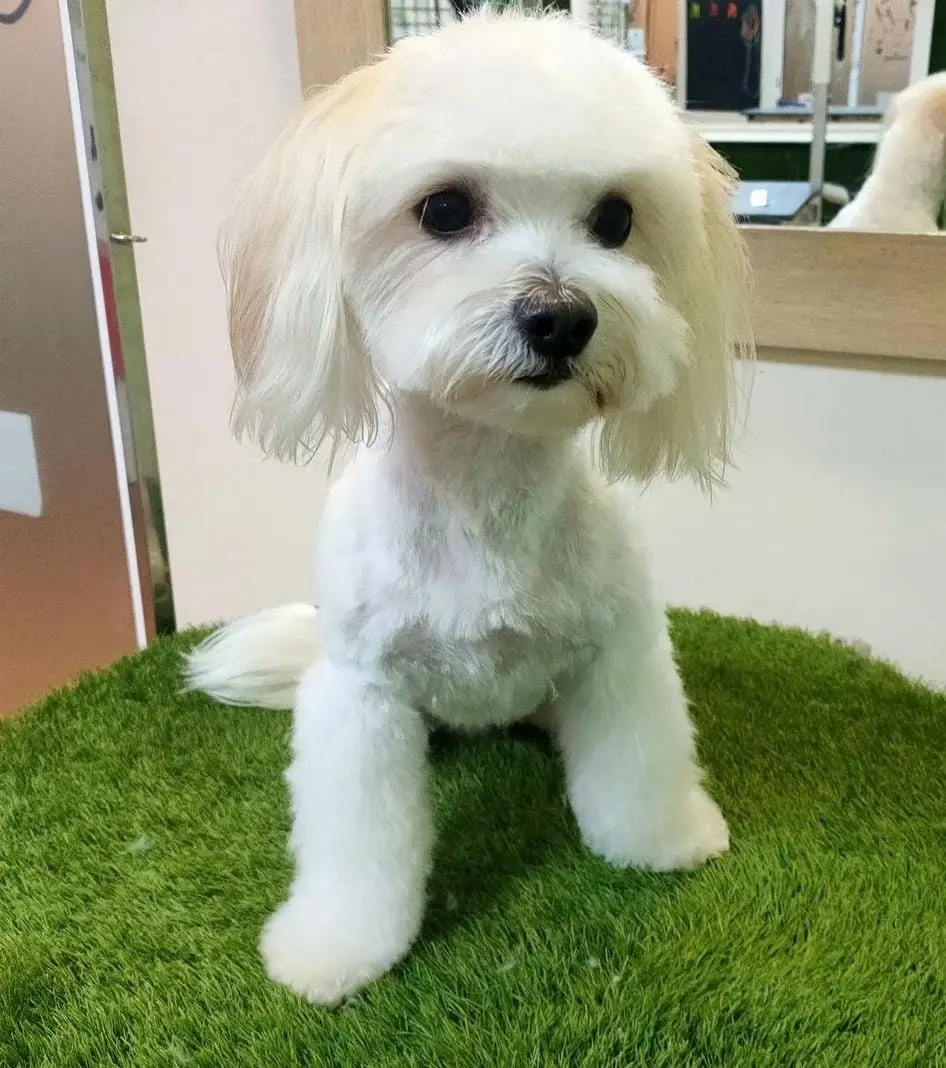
(142, 843)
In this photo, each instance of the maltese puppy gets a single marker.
(905, 190)
(500, 262)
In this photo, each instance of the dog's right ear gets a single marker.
(304, 377)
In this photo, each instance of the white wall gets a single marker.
(202, 89)
(837, 519)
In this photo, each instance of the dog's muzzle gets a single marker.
(557, 332)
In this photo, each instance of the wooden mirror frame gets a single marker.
(871, 300)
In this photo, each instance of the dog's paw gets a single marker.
(325, 959)
(700, 835)
(685, 836)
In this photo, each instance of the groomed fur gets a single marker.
(259, 660)
(475, 567)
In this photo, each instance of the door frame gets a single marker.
(86, 36)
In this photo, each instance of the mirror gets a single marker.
(826, 108)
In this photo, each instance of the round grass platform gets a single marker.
(142, 840)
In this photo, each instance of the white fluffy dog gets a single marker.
(461, 257)
(905, 190)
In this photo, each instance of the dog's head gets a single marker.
(509, 217)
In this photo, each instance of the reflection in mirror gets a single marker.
(798, 95)
(906, 187)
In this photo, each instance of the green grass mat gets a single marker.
(142, 844)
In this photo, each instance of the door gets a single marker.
(70, 578)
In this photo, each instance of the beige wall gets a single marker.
(835, 519)
(202, 89)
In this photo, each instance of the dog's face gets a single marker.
(510, 218)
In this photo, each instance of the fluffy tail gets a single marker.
(259, 660)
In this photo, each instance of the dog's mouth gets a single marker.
(547, 379)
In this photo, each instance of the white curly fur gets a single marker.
(475, 568)
(906, 187)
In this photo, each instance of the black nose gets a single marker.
(558, 331)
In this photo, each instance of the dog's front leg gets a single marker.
(361, 837)
(627, 742)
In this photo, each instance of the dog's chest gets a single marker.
(482, 640)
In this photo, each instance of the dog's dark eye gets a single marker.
(447, 212)
(610, 222)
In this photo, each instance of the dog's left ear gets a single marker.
(688, 431)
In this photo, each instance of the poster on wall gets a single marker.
(724, 41)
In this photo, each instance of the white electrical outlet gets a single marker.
(20, 490)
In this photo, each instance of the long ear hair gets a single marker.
(304, 377)
(689, 430)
